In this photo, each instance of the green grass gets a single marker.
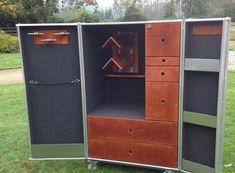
(14, 148)
(229, 138)
(9, 60)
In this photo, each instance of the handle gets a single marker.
(36, 33)
(61, 33)
(48, 40)
(149, 26)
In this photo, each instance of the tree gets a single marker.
(79, 15)
(133, 14)
(195, 8)
(170, 9)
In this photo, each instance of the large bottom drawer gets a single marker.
(133, 130)
(152, 154)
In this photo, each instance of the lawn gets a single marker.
(232, 35)
(14, 148)
(9, 60)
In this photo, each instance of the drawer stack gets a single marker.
(162, 52)
(130, 140)
(162, 43)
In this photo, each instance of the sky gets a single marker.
(105, 3)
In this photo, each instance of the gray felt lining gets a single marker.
(55, 111)
(199, 144)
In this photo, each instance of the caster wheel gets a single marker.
(92, 165)
(168, 171)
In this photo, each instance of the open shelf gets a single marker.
(125, 75)
(116, 109)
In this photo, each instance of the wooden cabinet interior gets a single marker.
(131, 114)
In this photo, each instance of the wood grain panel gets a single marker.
(133, 130)
(163, 74)
(161, 101)
(162, 61)
(207, 29)
(162, 39)
(51, 35)
(160, 155)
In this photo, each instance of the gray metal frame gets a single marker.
(221, 92)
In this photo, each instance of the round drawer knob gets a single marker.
(162, 73)
(163, 101)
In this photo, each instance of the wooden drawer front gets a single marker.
(161, 74)
(161, 101)
(162, 61)
(161, 155)
(133, 130)
(162, 39)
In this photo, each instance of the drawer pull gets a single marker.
(162, 73)
(130, 130)
(130, 152)
(163, 101)
(62, 33)
(163, 60)
(149, 26)
(48, 40)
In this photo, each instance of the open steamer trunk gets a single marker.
(148, 94)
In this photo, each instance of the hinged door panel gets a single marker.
(53, 90)
(204, 87)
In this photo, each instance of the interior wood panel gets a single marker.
(162, 61)
(160, 155)
(133, 130)
(161, 101)
(163, 74)
(51, 37)
(162, 39)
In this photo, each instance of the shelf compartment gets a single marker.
(125, 75)
(120, 109)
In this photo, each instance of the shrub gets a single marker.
(8, 43)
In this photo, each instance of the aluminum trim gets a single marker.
(196, 167)
(83, 89)
(181, 91)
(46, 24)
(200, 119)
(206, 65)
(206, 19)
(222, 95)
(132, 163)
(34, 159)
(25, 93)
(136, 22)
(44, 151)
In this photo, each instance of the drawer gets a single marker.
(162, 74)
(162, 61)
(162, 39)
(160, 155)
(161, 101)
(132, 130)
